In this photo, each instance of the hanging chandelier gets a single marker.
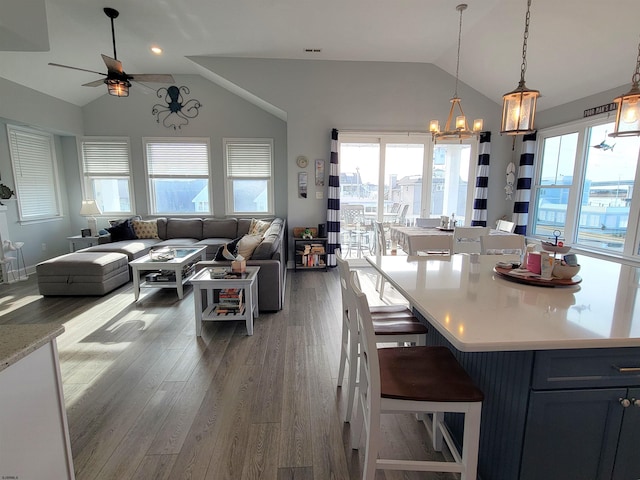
(628, 115)
(519, 105)
(460, 129)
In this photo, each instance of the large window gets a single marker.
(387, 172)
(178, 175)
(249, 173)
(585, 187)
(35, 174)
(106, 171)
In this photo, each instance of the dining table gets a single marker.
(558, 362)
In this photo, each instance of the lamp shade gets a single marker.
(89, 208)
(519, 111)
(118, 88)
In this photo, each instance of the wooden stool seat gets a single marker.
(430, 374)
(398, 326)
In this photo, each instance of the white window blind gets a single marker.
(249, 160)
(32, 158)
(105, 158)
(177, 159)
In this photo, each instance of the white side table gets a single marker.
(78, 242)
(203, 281)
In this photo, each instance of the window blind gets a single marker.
(249, 160)
(105, 158)
(32, 160)
(177, 159)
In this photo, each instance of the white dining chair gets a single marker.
(427, 222)
(392, 324)
(467, 239)
(505, 226)
(416, 380)
(502, 244)
(436, 244)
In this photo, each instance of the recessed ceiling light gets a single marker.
(156, 50)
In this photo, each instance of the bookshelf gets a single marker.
(311, 254)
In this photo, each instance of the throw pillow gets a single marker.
(248, 244)
(145, 228)
(258, 227)
(232, 246)
(121, 231)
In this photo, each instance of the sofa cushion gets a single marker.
(271, 242)
(219, 228)
(132, 248)
(244, 224)
(258, 227)
(184, 228)
(122, 231)
(145, 228)
(232, 246)
(248, 244)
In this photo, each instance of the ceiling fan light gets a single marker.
(118, 88)
(519, 111)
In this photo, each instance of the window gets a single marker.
(585, 187)
(35, 174)
(106, 171)
(178, 175)
(249, 173)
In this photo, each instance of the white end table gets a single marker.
(203, 281)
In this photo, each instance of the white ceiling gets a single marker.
(576, 47)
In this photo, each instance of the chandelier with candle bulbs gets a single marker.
(459, 129)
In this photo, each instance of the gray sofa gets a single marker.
(270, 254)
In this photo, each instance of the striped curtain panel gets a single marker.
(523, 185)
(479, 215)
(333, 203)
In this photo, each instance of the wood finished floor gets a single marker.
(147, 399)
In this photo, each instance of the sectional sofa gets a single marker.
(269, 254)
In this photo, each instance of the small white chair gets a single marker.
(416, 380)
(501, 244)
(392, 323)
(505, 226)
(437, 244)
(428, 222)
(467, 239)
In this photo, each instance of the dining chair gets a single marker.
(500, 244)
(401, 219)
(391, 323)
(505, 226)
(436, 244)
(354, 228)
(427, 222)
(417, 380)
(381, 249)
(467, 239)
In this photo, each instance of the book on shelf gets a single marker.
(229, 311)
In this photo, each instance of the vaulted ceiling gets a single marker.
(576, 47)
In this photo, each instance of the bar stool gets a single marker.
(413, 380)
(392, 323)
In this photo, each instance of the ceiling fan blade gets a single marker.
(95, 83)
(76, 68)
(112, 64)
(152, 77)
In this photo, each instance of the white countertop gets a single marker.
(476, 310)
(18, 341)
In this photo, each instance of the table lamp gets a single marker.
(89, 209)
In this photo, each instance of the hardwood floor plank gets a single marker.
(298, 473)
(261, 461)
(155, 467)
(295, 438)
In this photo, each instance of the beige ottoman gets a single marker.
(83, 273)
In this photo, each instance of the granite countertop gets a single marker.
(18, 341)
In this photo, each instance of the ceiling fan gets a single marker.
(117, 80)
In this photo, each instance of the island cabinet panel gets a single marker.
(555, 414)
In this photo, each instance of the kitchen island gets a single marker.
(34, 436)
(560, 367)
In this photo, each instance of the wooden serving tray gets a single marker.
(554, 282)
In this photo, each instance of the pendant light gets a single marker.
(460, 130)
(628, 115)
(519, 105)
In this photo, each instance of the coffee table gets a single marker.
(184, 258)
(248, 282)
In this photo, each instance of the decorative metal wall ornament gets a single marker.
(176, 112)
